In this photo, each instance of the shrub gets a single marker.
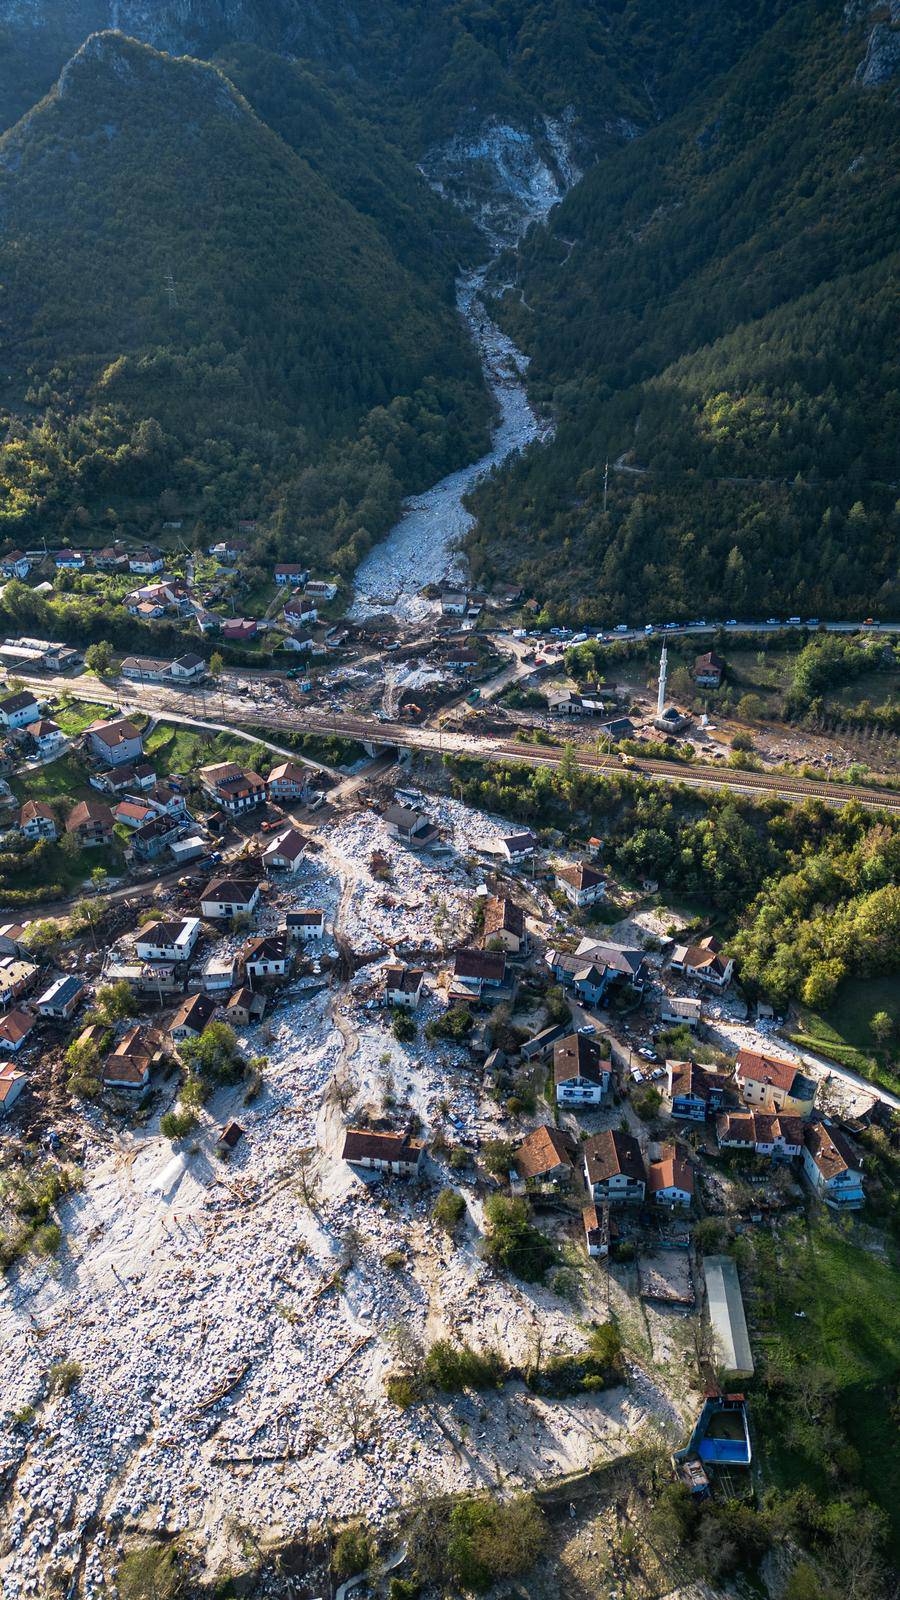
(403, 1026)
(63, 1376)
(647, 1102)
(498, 1157)
(512, 1243)
(151, 1573)
(454, 1025)
(402, 1390)
(353, 1551)
(177, 1124)
(48, 1239)
(449, 1208)
(490, 1540)
(451, 1367)
(459, 1158)
(404, 1589)
(394, 1260)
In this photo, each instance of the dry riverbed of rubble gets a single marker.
(233, 1335)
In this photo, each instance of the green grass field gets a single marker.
(77, 715)
(185, 750)
(844, 1034)
(850, 1297)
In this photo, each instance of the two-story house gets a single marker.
(832, 1167)
(773, 1083)
(705, 961)
(670, 1178)
(307, 922)
(92, 821)
(403, 986)
(292, 573)
(229, 897)
(288, 781)
(18, 710)
(582, 884)
(300, 611)
(410, 827)
(614, 1167)
(692, 1092)
(580, 1071)
(777, 1135)
(267, 956)
(16, 565)
(708, 670)
(392, 1153)
(114, 742)
(545, 1158)
(285, 852)
(168, 941)
(37, 821)
(189, 1021)
(236, 789)
(47, 737)
(503, 926)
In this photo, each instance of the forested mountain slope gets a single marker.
(187, 303)
(716, 306)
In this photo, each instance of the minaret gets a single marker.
(661, 697)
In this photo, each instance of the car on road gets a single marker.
(731, 623)
(588, 1027)
(621, 627)
(870, 623)
(772, 622)
(648, 1055)
(812, 622)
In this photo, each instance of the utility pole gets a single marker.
(605, 484)
(171, 291)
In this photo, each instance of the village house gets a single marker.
(670, 1178)
(582, 884)
(17, 976)
(111, 558)
(832, 1167)
(15, 565)
(692, 1092)
(245, 1007)
(285, 852)
(504, 925)
(114, 742)
(240, 630)
(154, 836)
(291, 572)
(15, 1030)
(393, 1153)
(92, 821)
(70, 560)
(229, 897)
(191, 1017)
(128, 1064)
(234, 788)
(321, 589)
(227, 550)
(189, 668)
(403, 986)
(614, 730)
(454, 604)
(681, 1009)
(766, 1133)
(133, 813)
(121, 780)
(580, 1071)
(17, 710)
(168, 799)
(168, 941)
(144, 669)
(614, 1167)
(704, 961)
(477, 974)
(566, 703)
(47, 737)
(462, 659)
(545, 1158)
(518, 847)
(12, 1083)
(594, 968)
(267, 956)
(62, 999)
(37, 821)
(306, 923)
(145, 563)
(288, 781)
(708, 670)
(12, 935)
(599, 1229)
(410, 827)
(773, 1083)
(300, 611)
(220, 973)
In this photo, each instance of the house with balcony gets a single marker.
(670, 1177)
(581, 1071)
(47, 737)
(114, 742)
(173, 940)
(288, 781)
(291, 573)
(92, 821)
(692, 1092)
(705, 961)
(614, 1168)
(774, 1083)
(37, 821)
(544, 1159)
(832, 1167)
(766, 1133)
(236, 789)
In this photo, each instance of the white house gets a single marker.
(191, 1017)
(17, 710)
(518, 847)
(189, 668)
(168, 941)
(704, 961)
(614, 1167)
(582, 884)
(36, 821)
(384, 1152)
(288, 781)
(320, 589)
(580, 1071)
(403, 986)
(285, 853)
(145, 562)
(15, 565)
(15, 1029)
(766, 1133)
(832, 1167)
(291, 572)
(772, 1083)
(61, 999)
(670, 1180)
(305, 924)
(12, 1083)
(47, 737)
(454, 605)
(267, 956)
(229, 897)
